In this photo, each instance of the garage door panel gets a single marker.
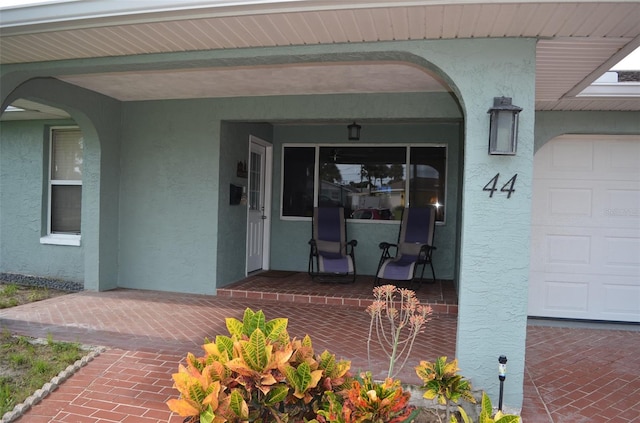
(568, 249)
(620, 300)
(585, 241)
(571, 155)
(561, 294)
(584, 157)
(562, 202)
(623, 203)
(577, 296)
(622, 252)
(567, 296)
(623, 156)
(570, 201)
(598, 202)
(599, 251)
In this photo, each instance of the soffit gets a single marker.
(578, 42)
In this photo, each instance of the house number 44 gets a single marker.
(507, 187)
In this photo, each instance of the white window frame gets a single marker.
(54, 238)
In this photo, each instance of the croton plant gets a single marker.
(367, 401)
(257, 374)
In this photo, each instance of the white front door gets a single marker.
(585, 243)
(258, 202)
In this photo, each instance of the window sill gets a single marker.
(61, 239)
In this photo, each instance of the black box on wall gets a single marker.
(235, 194)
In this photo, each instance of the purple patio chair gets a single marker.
(331, 257)
(414, 248)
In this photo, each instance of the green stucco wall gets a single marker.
(183, 234)
(552, 124)
(99, 119)
(169, 196)
(22, 156)
(158, 174)
(495, 231)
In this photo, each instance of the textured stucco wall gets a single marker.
(184, 235)
(98, 117)
(494, 254)
(169, 171)
(22, 154)
(552, 124)
(169, 196)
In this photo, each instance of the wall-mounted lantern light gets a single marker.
(354, 132)
(503, 128)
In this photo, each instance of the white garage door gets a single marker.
(585, 251)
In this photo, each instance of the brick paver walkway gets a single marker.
(582, 375)
(573, 375)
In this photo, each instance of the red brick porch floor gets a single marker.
(300, 288)
(572, 374)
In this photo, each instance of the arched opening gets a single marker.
(400, 100)
(57, 131)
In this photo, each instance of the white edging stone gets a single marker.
(20, 409)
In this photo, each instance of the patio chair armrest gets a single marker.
(385, 246)
(426, 250)
(350, 246)
(314, 247)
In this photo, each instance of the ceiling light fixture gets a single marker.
(354, 131)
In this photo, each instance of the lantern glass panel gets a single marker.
(502, 138)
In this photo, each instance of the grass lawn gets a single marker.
(26, 365)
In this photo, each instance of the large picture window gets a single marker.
(65, 183)
(298, 181)
(370, 182)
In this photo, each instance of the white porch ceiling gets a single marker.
(578, 41)
(261, 80)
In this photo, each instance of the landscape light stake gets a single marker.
(502, 374)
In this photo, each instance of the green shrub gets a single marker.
(368, 401)
(256, 374)
(486, 414)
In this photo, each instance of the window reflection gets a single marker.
(427, 171)
(367, 181)
(298, 181)
(370, 182)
